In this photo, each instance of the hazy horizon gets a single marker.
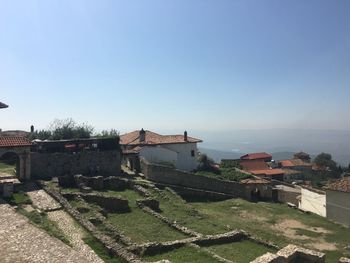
(195, 65)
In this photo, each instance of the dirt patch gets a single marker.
(251, 216)
(289, 228)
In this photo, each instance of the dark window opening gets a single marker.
(192, 153)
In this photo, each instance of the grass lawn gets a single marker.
(8, 169)
(100, 250)
(242, 252)
(140, 226)
(184, 254)
(259, 219)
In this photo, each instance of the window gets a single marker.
(192, 153)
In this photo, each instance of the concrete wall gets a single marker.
(48, 165)
(159, 154)
(185, 161)
(313, 202)
(167, 175)
(338, 207)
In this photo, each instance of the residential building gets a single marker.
(179, 151)
(263, 156)
(258, 164)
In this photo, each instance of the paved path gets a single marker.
(73, 232)
(20, 241)
(41, 199)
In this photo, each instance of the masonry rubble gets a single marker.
(292, 254)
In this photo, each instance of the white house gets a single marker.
(313, 200)
(178, 150)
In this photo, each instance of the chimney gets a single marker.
(142, 135)
(32, 128)
(185, 136)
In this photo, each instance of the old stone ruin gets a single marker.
(91, 191)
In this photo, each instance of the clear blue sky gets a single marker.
(175, 65)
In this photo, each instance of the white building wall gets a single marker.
(185, 161)
(313, 202)
(158, 154)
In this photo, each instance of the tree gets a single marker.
(325, 160)
(303, 156)
(205, 163)
(110, 133)
(64, 129)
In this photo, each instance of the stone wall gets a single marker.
(48, 165)
(169, 176)
(110, 203)
(288, 197)
(292, 254)
(109, 243)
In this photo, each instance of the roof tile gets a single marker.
(14, 141)
(151, 138)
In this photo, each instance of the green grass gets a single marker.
(140, 226)
(242, 252)
(184, 254)
(100, 250)
(137, 224)
(7, 168)
(19, 199)
(230, 174)
(255, 218)
(305, 232)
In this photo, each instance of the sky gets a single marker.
(198, 65)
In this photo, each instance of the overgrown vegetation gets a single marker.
(230, 174)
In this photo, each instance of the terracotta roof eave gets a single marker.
(158, 143)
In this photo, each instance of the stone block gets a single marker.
(149, 202)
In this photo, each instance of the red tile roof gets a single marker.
(300, 162)
(253, 165)
(151, 138)
(287, 163)
(254, 156)
(14, 141)
(341, 185)
(268, 172)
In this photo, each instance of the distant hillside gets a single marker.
(217, 155)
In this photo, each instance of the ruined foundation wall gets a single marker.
(168, 175)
